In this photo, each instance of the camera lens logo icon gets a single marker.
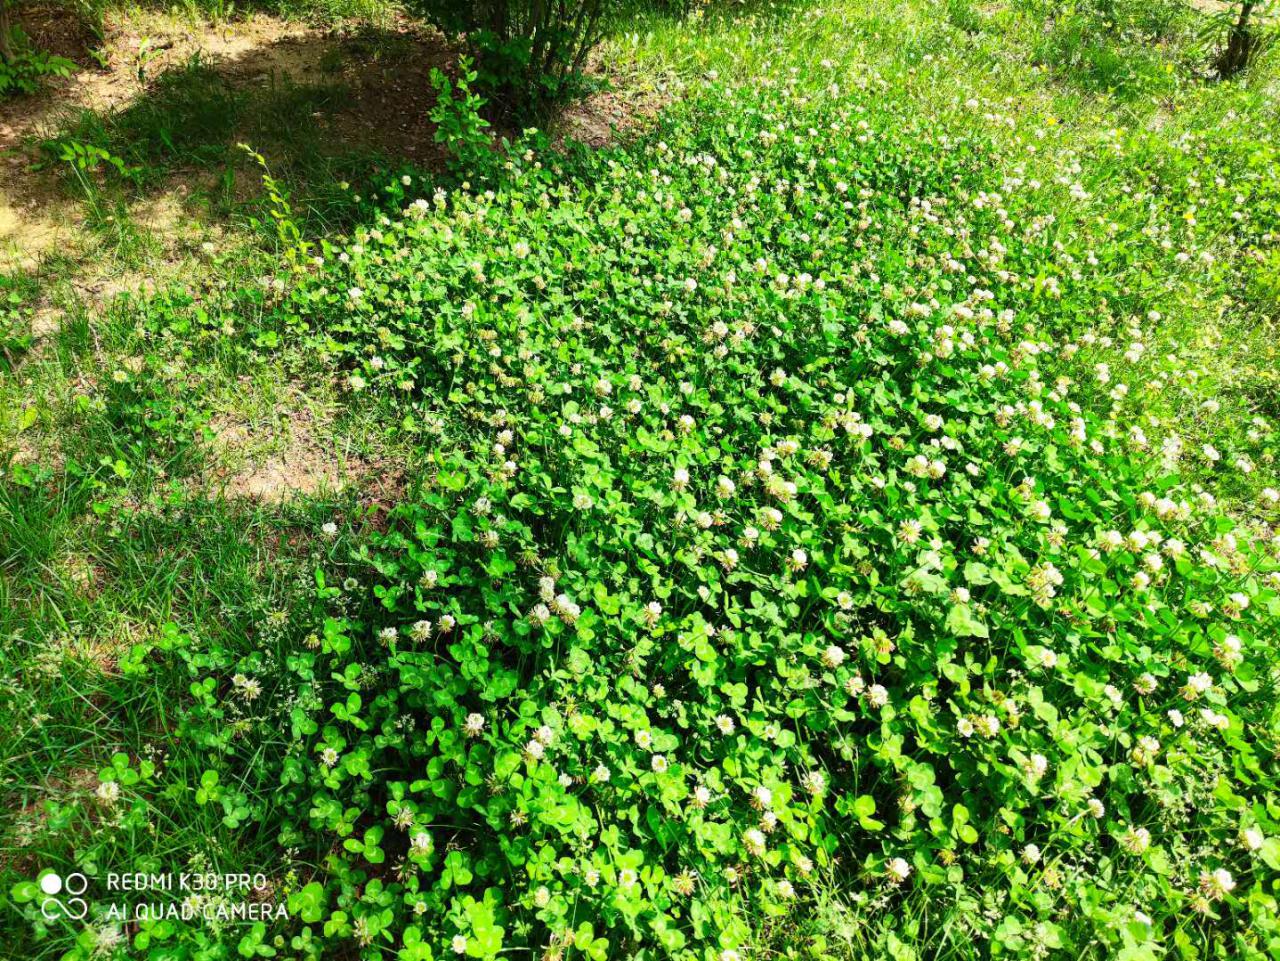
(62, 896)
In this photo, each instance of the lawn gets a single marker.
(813, 496)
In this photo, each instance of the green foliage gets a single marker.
(459, 125)
(280, 210)
(530, 54)
(15, 327)
(807, 539)
(24, 68)
(766, 540)
(187, 115)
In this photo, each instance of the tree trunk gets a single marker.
(1240, 43)
(6, 33)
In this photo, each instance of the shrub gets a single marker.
(529, 53)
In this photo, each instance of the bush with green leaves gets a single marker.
(530, 54)
(788, 544)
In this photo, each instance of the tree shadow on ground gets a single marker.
(319, 105)
(143, 140)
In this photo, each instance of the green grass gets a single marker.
(127, 581)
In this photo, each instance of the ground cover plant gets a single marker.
(837, 521)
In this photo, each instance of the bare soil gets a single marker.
(383, 75)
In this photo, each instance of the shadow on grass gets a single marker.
(320, 108)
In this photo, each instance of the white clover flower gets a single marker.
(474, 725)
(1035, 766)
(1197, 684)
(459, 944)
(815, 782)
(898, 870)
(1135, 840)
(833, 657)
(652, 611)
(1214, 720)
(1252, 839)
(1217, 884)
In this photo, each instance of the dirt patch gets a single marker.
(606, 116)
(304, 470)
(378, 98)
(603, 118)
(100, 649)
(100, 293)
(45, 322)
(285, 452)
(386, 70)
(29, 230)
